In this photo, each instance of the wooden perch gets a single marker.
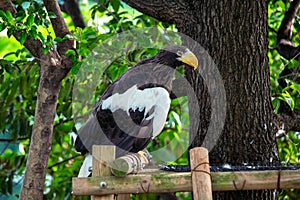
(131, 163)
(161, 181)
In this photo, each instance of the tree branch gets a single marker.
(166, 11)
(12, 140)
(71, 7)
(63, 161)
(287, 119)
(285, 46)
(59, 25)
(61, 30)
(62, 122)
(272, 29)
(289, 122)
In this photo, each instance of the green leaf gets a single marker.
(70, 52)
(281, 5)
(296, 87)
(115, 4)
(6, 55)
(84, 52)
(13, 90)
(9, 32)
(2, 26)
(74, 70)
(51, 15)
(68, 36)
(45, 49)
(20, 16)
(41, 37)
(30, 20)
(288, 99)
(58, 39)
(9, 16)
(3, 15)
(293, 64)
(22, 37)
(101, 8)
(276, 104)
(49, 39)
(33, 33)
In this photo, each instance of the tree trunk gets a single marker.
(235, 35)
(41, 138)
(54, 66)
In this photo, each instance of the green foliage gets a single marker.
(288, 143)
(20, 77)
(19, 82)
(31, 20)
(18, 87)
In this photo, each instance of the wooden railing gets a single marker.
(200, 180)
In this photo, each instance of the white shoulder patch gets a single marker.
(134, 98)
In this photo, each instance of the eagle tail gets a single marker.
(86, 166)
(88, 134)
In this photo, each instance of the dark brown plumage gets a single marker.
(134, 108)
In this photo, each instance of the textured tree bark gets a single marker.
(41, 139)
(234, 33)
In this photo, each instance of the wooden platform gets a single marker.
(200, 181)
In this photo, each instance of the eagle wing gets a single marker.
(128, 120)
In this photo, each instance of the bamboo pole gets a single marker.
(131, 163)
(158, 181)
(201, 180)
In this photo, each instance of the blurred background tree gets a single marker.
(91, 26)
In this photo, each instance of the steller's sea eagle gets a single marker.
(134, 108)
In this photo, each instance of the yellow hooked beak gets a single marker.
(190, 59)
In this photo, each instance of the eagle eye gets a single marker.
(179, 53)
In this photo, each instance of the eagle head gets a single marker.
(176, 56)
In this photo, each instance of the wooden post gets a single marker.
(201, 179)
(102, 156)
